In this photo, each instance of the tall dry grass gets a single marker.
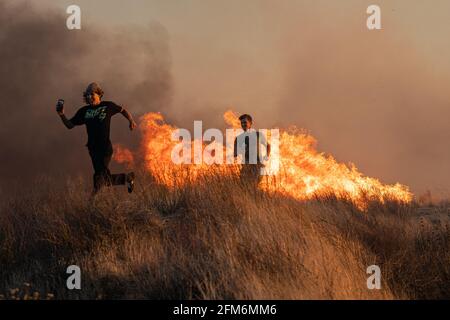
(216, 238)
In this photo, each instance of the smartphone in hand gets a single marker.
(60, 105)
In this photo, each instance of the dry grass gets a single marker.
(216, 239)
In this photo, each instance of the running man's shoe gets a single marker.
(130, 182)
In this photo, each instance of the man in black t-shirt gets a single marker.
(97, 118)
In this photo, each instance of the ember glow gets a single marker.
(123, 155)
(304, 172)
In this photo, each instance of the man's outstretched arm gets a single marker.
(60, 111)
(67, 122)
(129, 117)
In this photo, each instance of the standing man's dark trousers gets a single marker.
(251, 174)
(101, 157)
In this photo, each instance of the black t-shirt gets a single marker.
(98, 121)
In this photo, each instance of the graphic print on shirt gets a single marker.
(99, 112)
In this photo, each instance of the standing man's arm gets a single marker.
(267, 151)
(129, 117)
(265, 143)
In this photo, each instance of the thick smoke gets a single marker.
(41, 60)
(379, 99)
(373, 98)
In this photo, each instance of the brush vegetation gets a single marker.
(216, 238)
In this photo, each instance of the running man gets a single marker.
(247, 144)
(96, 115)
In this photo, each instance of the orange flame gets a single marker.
(157, 146)
(232, 119)
(304, 172)
(123, 155)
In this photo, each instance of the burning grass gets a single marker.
(304, 172)
(214, 238)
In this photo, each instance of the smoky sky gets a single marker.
(372, 98)
(379, 99)
(41, 61)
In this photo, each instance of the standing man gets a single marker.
(96, 115)
(247, 144)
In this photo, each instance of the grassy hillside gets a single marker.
(215, 239)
